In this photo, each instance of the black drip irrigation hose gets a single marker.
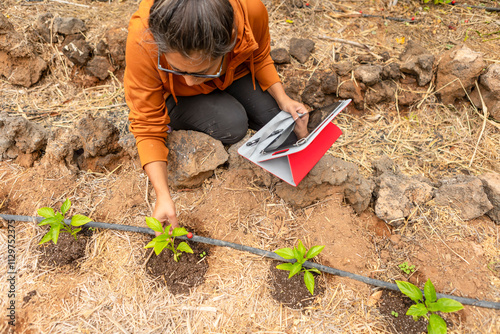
(261, 252)
(488, 9)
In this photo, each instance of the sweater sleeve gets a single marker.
(145, 95)
(265, 72)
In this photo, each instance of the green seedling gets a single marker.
(202, 255)
(439, 2)
(431, 305)
(166, 240)
(406, 268)
(395, 314)
(57, 225)
(300, 254)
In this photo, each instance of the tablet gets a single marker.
(317, 118)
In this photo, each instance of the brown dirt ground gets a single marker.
(111, 292)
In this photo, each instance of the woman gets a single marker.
(199, 65)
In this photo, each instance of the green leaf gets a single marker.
(295, 269)
(46, 212)
(65, 206)
(159, 246)
(302, 250)
(285, 266)
(55, 232)
(151, 244)
(313, 251)
(436, 325)
(76, 230)
(448, 305)
(46, 237)
(51, 220)
(286, 253)
(154, 224)
(309, 281)
(433, 307)
(184, 247)
(314, 270)
(178, 231)
(296, 254)
(418, 310)
(79, 220)
(429, 292)
(410, 290)
(162, 237)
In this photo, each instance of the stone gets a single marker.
(329, 83)
(384, 91)
(5, 25)
(63, 148)
(68, 25)
(489, 86)
(491, 184)
(280, 56)
(328, 176)
(391, 71)
(312, 94)
(417, 61)
(19, 63)
(343, 68)
(20, 138)
(93, 145)
(116, 40)
(101, 49)
(301, 49)
(465, 194)
(77, 51)
(99, 67)
(368, 74)
(129, 145)
(193, 156)
(99, 137)
(351, 90)
(458, 69)
(43, 25)
(260, 176)
(292, 87)
(384, 164)
(398, 195)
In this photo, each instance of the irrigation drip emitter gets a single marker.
(264, 253)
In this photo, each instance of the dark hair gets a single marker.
(188, 26)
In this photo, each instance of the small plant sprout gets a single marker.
(300, 254)
(56, 221)
(431, 305)
(202, 255)
(406, 268)
(165, 240)
(395, 314)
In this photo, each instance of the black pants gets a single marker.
(224, 115)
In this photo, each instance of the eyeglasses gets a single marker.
(198, 75)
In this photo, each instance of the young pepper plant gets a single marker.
(426, 309)
(166, 240)
(56, 221)
(301, 254)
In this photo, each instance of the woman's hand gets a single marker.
(165, 212)
(164, 208)
(292, 107)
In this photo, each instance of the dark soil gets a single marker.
(67, 250)
(402, 324)
(183, 275)
(292, 292)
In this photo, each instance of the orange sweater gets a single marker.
(146, 87)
